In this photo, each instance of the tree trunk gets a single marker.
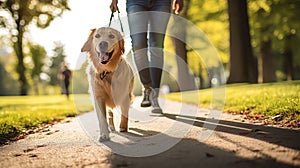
(288, 59)
(18, 47)
(267, 62)
(243, 66)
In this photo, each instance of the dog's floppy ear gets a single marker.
(121, 44)
(88, 44)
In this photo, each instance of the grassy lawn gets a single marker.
(269, 100)
(18, 113)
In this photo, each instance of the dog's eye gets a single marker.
(111, 36)
(97, 36)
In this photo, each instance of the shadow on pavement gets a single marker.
(190, 152)
(280, 136)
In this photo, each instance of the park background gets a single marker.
(263, 48)
(257, 43)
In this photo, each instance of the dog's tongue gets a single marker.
(103, 57)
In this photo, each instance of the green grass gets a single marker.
(18, 113)
(269, 100)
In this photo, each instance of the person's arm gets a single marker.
(177, 6)
(114, 6)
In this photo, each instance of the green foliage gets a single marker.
(211, 18)
(8, 82)
(80, 86)
(267, 99)
(279, 18)
(56, 61)
(8, 85)
(38, 55)
(18, 14)
(277, 21)
(20, 113)
(40, 12)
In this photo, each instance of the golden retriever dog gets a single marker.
(110, 78)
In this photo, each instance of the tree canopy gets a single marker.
(277, 18)
(20, 13)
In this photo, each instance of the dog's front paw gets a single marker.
(123, 129)
(103, 137)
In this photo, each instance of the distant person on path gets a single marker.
(65, 76)
(148, 20)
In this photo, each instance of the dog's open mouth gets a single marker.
(105, 56)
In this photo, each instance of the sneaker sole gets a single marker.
(146, 105)
(157, 111)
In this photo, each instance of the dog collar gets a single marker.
(103, 74)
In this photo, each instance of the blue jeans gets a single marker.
(148, 20)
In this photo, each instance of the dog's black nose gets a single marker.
(103, 45)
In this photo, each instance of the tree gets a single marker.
(38, 55)
(263, 31)
(56, 61)
(266, 58)
(81, 86)
(8, 84)
(287, 11)
(243, 67)
(211, 18)
(288, 57)
(22, 13)
(275, 27)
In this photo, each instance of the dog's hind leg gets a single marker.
(111, 120)
(124, 118)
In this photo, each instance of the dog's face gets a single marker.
(106, 42)
(105, 45)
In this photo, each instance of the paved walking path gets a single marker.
(185, 136)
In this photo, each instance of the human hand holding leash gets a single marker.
(114, 6)
(177, 6)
